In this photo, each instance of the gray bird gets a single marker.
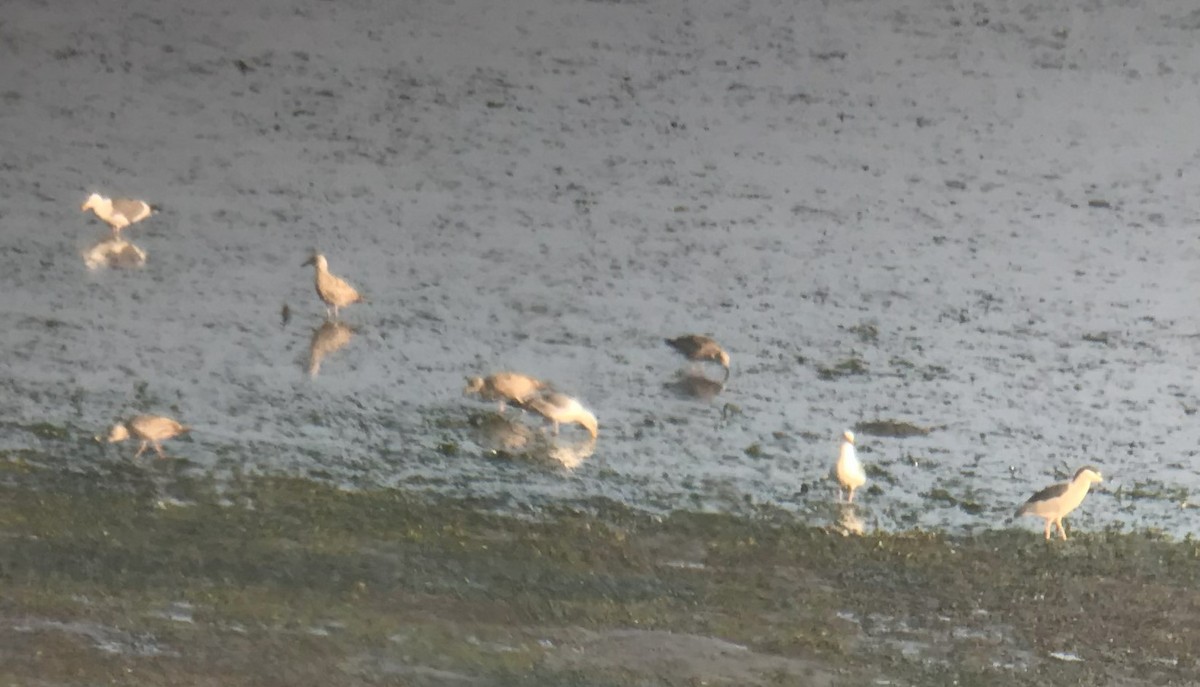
(149, 429)
(334, 291)
(700, 348)
(1054, 502)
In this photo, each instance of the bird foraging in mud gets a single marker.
(1054, 502)
(149, 429)
(562, 409)
(700, 348)
(505, 387)
(848, 471)
(333, 290)
(117, 212)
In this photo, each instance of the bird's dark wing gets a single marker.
(1050, 492)
(689, 344)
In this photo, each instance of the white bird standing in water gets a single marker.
(119, 212)
(849, 471)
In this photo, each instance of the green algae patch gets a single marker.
(895, 429)
(284, 581)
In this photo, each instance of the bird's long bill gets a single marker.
(310, 261)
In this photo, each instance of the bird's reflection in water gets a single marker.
(330, 337)
(114, 252)
(691, 384)
(508, 437)
(848, 521)
(570, 454)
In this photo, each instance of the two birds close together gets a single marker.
(1052, 503)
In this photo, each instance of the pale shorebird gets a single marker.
(1054, 502)
(114, 252)
(849, 471)
(333, 290)
(700, 348)
(505, 387)
(560, 408)
(149, 429)
(117, 212)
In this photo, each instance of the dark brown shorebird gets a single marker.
(117, 212)
(149, 429)
(333, 290)
(562, 409)
(1054, 502)
(700, 348)
(505, 387)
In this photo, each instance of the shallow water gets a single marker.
(555, 189)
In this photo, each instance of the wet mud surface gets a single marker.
(966, 233)
(974, 221)
(111, 575)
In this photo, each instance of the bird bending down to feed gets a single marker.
(334, 291)
(119, 212)
(700, 348)
(149, 429)
(560, 408)
(505, 387)
(1054, 502)
(848, 471)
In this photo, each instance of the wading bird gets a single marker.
(700, 348)
(1054, 502)
(333, 290)
(118, 213)
(149, 429)
(505, 387)
(560, 408)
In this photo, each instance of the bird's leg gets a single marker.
(1061, 530)
(556, 428)
(158, 447)
(850, 498)
(1049, 524)
(140, 450)
(502, 408)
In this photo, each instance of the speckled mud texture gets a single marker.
(965, 231)
(138, 577)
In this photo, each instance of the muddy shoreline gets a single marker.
(138, 574)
